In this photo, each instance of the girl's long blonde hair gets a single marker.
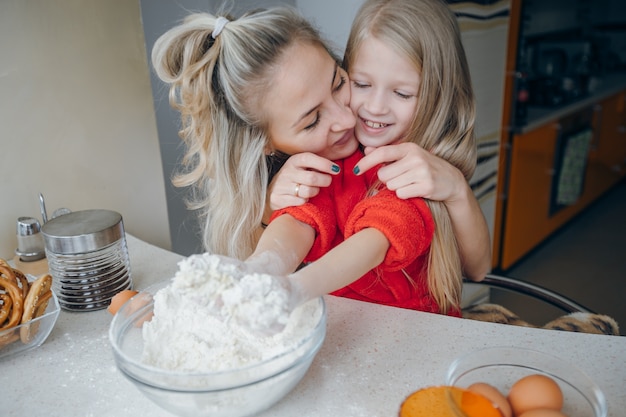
(218, 85)
(427, 33)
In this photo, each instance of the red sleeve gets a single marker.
(318, 213)
(408, 224)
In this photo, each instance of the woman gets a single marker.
(223, 72)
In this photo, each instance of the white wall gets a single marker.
(76, 115)
(333, 18)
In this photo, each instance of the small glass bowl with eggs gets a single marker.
(528, 383)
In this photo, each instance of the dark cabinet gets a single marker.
(609, 150)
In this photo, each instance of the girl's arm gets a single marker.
(286, 241)
(342, 265)
(411, 171)
(282, 246)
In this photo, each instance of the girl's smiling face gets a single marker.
(384, 88)
(307, 107)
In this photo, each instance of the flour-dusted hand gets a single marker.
(261, 302)
(241, 294)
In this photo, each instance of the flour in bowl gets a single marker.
(208, 317)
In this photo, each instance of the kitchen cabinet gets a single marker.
(551, 97)
(609, 150)
(528, 199)
(531, 213)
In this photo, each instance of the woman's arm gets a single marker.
(413, 172)
(472, 234)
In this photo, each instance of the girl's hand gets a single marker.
(305, 173)
(411, 171)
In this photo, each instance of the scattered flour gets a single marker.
(208, 318)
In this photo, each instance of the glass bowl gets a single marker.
(501, 367)
(32, 334)
(239, 392)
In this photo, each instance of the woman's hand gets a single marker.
(300, 178)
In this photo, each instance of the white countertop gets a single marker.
(372, 358)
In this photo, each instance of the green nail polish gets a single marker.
(356, 170)
(335, 168)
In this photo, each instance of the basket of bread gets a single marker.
(28, 310)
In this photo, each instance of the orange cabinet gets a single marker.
(528, 196)
(529, 211)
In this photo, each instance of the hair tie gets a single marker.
(219, 26)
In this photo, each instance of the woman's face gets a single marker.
(384, 93)
(308, 105)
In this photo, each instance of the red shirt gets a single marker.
(343, 209)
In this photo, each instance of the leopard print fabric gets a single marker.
(573, 322)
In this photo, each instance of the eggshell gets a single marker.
(494, 395)
(535, 391)
(542, 412)
(476, 405)
(119, 299)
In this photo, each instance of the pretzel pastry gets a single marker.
(12, 290)
(19, 275)
(20, 303)
(7, 272)
(35, 304)
(15, 275)
(5, 307)
(8, 338)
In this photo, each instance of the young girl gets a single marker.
(410, 82)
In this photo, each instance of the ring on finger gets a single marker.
(297, 190)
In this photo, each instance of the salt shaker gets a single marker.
(30, 246)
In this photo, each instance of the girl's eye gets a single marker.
(403, 96)
(315, 122)
(360, 85)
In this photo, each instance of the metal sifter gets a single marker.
(88, 258)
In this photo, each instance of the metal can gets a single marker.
(88, 258)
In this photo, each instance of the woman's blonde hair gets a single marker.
(427, 33)
(218, 84)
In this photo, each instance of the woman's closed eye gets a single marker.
(315, 122)
(341, 83)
